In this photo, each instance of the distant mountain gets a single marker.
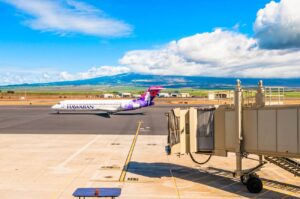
(168, 81)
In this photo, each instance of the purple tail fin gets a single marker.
(150, 94)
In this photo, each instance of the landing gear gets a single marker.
(57, 112)
(253, 182)
(110, 114)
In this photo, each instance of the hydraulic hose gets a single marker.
(194, 160)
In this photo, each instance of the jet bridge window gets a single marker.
(174, 128)
(205, 129)
(187, 124)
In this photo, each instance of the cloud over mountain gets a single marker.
(218, 53)
(94, 72)
(19, 76)
(274, 50)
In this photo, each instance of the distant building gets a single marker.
(108, 95)
(11, 92)
(184, 95)
(125, 95)
(136, 95)
(163, 95)
(175, 94)
(220, 95)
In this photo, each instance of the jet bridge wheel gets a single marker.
(245, 178)
(254, 184)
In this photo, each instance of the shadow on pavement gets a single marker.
(102, 114)
(106, 115)
(128, 113)
(216, 178)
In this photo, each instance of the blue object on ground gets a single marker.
(97, 192)
(168, 150)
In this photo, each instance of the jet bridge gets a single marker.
(272, 132)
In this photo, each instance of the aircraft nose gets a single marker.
(55, 106)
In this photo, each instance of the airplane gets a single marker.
(109, 106)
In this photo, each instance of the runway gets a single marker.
(42, 120)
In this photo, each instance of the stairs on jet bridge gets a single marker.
(287, 164)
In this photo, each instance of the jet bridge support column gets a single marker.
(260, 95)
(248, 176)
(238, 127)
(260, 102)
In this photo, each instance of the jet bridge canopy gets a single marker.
(272, 130)
(269, 130)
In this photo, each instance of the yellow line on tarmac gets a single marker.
(176, 187)
(123, 174)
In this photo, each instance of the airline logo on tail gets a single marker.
(150, 94)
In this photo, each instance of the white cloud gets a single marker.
(69, 16)
(211, 47)
(278, 25)
(218, 53)
(164, 61)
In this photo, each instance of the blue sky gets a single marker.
(132, 35)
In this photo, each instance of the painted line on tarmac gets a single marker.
(123, 174)
(85, 166)
(107, 159)
(74, 155)
(175, 184)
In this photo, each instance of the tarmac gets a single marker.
(47, 155)
(42, 120)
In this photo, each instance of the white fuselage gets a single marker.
(96, 105)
